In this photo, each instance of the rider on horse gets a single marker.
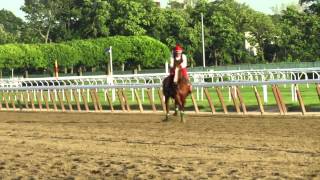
(179, 59)
(177, 84)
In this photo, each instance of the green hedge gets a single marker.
(142, 50)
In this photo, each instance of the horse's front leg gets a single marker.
(166, 100)
(183, 101)
(176, 108)
(179, 101)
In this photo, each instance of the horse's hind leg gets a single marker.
(182, 114)
(180, 102)
(176, 108)
(183, 101)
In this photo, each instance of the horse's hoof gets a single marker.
(166, 119)
(182, 117)
(183, 120)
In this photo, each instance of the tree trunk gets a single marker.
(122, 66)
(26, 74)
(135, 71)
(65, 70)
(80, 71)
(47, 33)
(262, 57)
(45, 36)
(1, 73)
(285, 53)
(139, 67)
(215, 58)
(108, 69)
(274, 57)
(71, 71)
(93, 69)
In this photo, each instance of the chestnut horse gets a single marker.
(177, 90)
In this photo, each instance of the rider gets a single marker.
(179, 59)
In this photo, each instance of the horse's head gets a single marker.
(183, 86)
(181, 82)
(177, 74)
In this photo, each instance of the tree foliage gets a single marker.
(139, 50)
(292, 35)
(10, 27)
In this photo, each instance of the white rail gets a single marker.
(208, 76)
(158, 85)
(198, 79)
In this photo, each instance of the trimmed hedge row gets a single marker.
(142, 50)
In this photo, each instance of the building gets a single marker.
(157, 2)
(178, 1)
(184, 3)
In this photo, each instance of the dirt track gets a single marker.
(122, 146)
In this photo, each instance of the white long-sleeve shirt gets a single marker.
(184, 61)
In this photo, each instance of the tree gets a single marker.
(265, 33)
(225, 23)
(42, 16)
(314, 6)
(93, 18)
(10, 27)
(293, 45)
(67, 18)
(6, 37)
(11, 56)
(288, 36)
(157, 24)
(131, 17)
(148, 52)
(29, 35)
(32, 58)
(176, 5)
(10, 22)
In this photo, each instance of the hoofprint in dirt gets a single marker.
(127, 146)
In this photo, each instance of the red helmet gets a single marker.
(178, 48)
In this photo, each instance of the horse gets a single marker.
(178, 90)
